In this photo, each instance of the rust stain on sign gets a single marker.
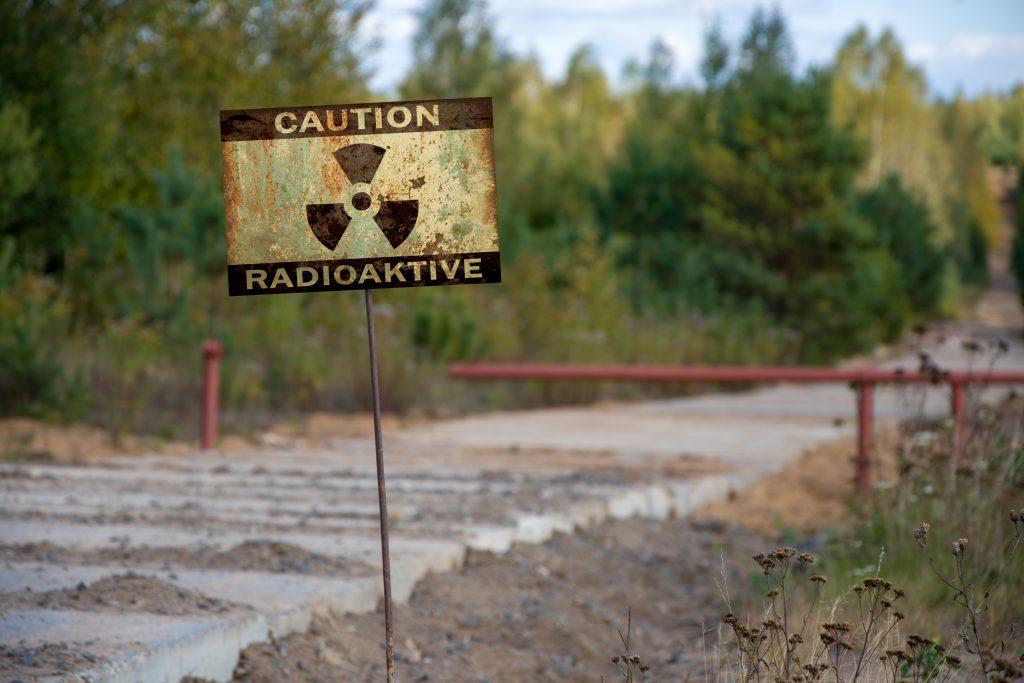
(359, 196)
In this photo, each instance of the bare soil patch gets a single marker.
(548, 612)
(23, 664)
(28, 440)
(807, 495)
(121, 593)
(256, 555)
(25, 439)
(552, 612)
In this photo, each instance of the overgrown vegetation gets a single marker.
(965, 606)
(765, 215)
(927, 581)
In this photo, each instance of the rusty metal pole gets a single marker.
(958, 406)
(865, 434)
(212, 352)
(382, 498)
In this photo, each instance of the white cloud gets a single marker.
(389, 6)
(958, 44)
(686, 52)
(984, 45)
(583, 7)
(920, 52)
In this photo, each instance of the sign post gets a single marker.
(361, 196)
(382, 496)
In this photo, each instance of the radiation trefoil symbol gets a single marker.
(395, 218)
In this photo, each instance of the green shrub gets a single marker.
(34, 377)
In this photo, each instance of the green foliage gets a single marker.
(175, 243)
(44, 87)
(749, 220)
(33, 326)
(18, 169)
(1001, 126)
(1017, 248)
(904, 228)
(969, 502)
(446, 331)
(742, 197)
(455, 52)
(969, 246)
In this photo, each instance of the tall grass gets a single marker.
(927, 580)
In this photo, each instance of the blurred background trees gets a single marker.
(762, 215)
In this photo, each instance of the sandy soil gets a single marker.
(810, 494)
(258, 555)
(23, 664)
(25, 439)
(120, 593)
(548, 612)
(552, 612)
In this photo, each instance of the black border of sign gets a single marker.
(246, 125)
(489, 269)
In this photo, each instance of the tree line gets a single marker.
(761, 214)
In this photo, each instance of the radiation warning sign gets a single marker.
(360, 196)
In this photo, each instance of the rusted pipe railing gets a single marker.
(212, 352)
(863, 380)
(865, 434)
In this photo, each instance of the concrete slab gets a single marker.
(362, 548)
(140, 647)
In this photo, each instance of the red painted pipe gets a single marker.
(718, 374)
(863, 379)
(212, 352)
(958, 406)
(865, 435)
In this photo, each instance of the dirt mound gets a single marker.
(121, 593)
(548, 612)
(35, 663)
(807, 495)
(255, 555)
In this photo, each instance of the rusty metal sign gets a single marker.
(360, 196)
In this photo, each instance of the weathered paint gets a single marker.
(289, 200)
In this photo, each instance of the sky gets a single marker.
(963, 46)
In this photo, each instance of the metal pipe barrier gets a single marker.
(212, 352)
(862, 380)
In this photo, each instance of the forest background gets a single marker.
(761, 215)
